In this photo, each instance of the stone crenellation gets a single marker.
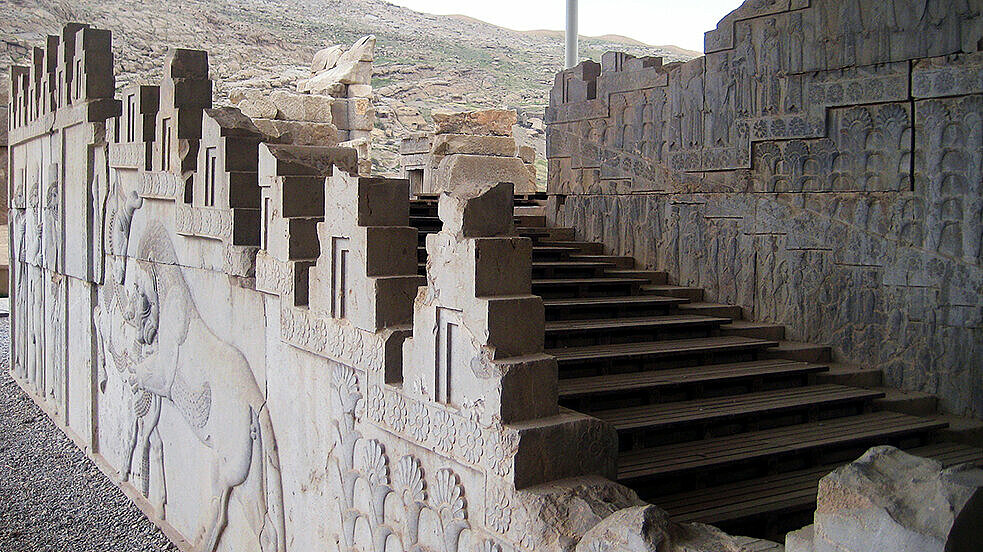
(270, 349)
(228, 313)
(818, 167)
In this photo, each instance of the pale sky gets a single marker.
(678, 22)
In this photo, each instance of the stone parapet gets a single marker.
(803, 169)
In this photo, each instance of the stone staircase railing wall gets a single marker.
(233, 327)
(819, 166)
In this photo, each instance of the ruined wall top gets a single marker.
(770, 71)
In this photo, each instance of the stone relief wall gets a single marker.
(819, 166)
(233, 323)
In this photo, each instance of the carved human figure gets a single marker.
(52, 227)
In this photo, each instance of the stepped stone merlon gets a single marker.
(292, 184)
(92, 65)
(185, 92)
(226, 177)
(477, 311)
(477, 342)
(367, 270)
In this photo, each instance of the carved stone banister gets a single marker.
(185, 92)
(292, 181)
(367, 270)
(477, 345)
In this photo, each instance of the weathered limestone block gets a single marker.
(448, 144)
(416, 144)
(565, 510)
(302, 107)
(890, 500)
(472, 171)
(527, 154)
(489, 319)
(648, 529)
(353, 113)
(298, 132)
(258, 108)
(489, 122)
(291, 180)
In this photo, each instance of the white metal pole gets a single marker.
(572, 54)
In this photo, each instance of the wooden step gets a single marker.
(782, 492)
(846, 374)
(531, 231)
(588, 248)
(659, 349)
(619, 261)
(691, 293)
(596, 331)
(654, 277)
(580, 287)
(657, 380)
(529, 210)
(570, 264)
(747, 328)
(663, 416)
(554, 252)
(653, 322)
(713, 309)
(537, 221)
(567, 269)
(805, 352)
(585, 281)
(679, 458)
(608, 307)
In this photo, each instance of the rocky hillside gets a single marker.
(424, 61)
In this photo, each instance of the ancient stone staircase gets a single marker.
(720, 420)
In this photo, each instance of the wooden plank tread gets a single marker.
(573, 387)
(570, 264)
(614, 300)
(719, 451)
(639, 322)
(660, 348)
(662, 415)
(587, 281)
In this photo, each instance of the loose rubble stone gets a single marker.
(447, 144)
(648, 529)
(302, 107)
(890, 500)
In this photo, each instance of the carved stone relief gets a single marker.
(835, 157)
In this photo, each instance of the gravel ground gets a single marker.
(53, 498)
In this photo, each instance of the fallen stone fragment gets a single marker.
(891, 500)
